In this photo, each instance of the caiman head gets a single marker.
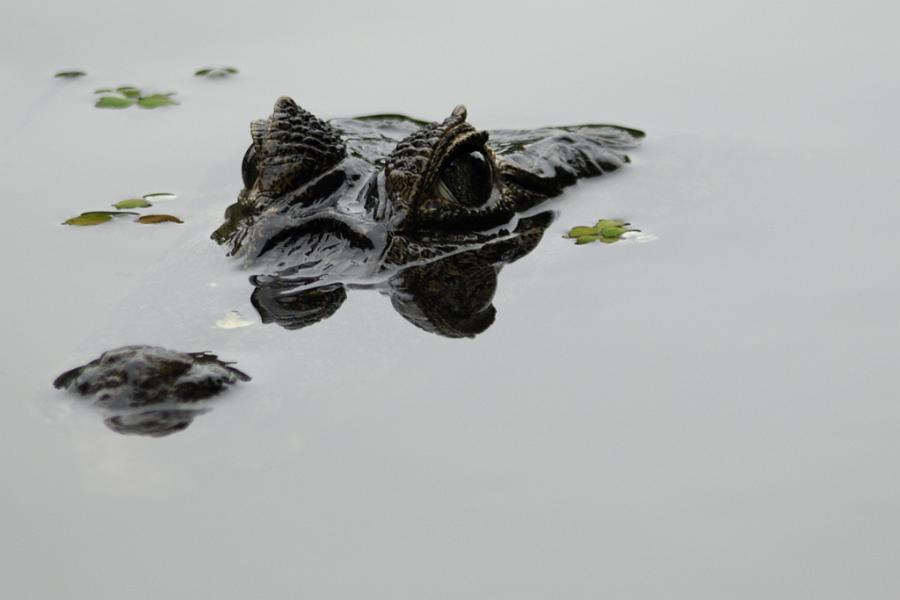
(374, 202)
(442, 179)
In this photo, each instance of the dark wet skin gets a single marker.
(425, 213)
(147, 390)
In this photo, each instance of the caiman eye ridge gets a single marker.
(467, 179)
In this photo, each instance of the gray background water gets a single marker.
(711, 415)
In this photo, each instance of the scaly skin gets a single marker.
(418, 211)
(424, 213)
(147, 390)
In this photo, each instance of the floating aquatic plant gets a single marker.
(98, 217)
(129, 91)
(159, 196)
(129, 95)
(132, 203)
(113, 102)
(95, 218)
(75, 74)
(156, 100)
(215, 72)
(153, 219)
(607, 231)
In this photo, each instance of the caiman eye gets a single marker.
(248, 167)
(467, 179)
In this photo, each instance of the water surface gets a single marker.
(709, 415)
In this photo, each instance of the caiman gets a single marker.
(426, 213)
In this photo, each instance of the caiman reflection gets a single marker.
(425, 213)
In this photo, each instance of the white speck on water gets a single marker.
(159, 197)
(233, 320)
(638, 237)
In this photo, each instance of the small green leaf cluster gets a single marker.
(74, 74)
(607, 231)
(215, 72)
(98, 217)
(129, 95)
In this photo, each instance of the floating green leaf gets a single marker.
(606, 231)
(132, 203)
(70, 74)
(88, 219)
(94, 217)
(113, 213)
(215, 72)
(129, 95)
(160, 196)
(129, 91)
(577, 232)
(612, 231)
(113, 102)
(610, 223)
(153, 219)
(586, 239)
(155, 101)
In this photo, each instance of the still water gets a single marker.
(711, 414)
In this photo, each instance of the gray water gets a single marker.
(709, 415)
